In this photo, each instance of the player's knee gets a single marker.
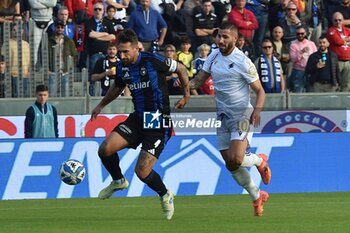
(103, 150)
(233, 163)
(141, 173)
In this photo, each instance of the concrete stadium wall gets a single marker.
(274, 102)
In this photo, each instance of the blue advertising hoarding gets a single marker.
(189, 165)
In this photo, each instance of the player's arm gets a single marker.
(183, 77)
(112, 93)
(199, 79)
(260, 100)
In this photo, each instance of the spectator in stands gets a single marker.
(2, 76)
(330, 6)
(147, 23)
(173, 82)
(243, 19)
(118, 24)
(189, 6)
(270, 69)
(173, 14)
(9, 11)
(158, 6)
(204, 23)
(69, 28)
(290, 22)
(105, 69)
(14, 63)
(245, 46)
(41, 17)
(276, 13)
(41, 117)
(120, 7)
(322, 69)
(208, 86)
(300, 50)
(260, 10)
(313, 17)
(58, 64)
(99, 33)
(185, 56)
(80, 10)
(339, 39)
(344, 9)
(281, 51)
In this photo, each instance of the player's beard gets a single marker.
(228, 49)
(126, 62)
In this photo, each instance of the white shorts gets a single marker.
(233, 129)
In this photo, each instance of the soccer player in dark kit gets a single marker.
(145, 75)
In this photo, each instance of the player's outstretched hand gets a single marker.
(182, 102)
(95, 112)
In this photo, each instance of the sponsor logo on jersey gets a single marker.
(139, 85)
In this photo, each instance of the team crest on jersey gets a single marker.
(143, 71)
(252, 70)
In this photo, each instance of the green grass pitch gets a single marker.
(295, 213)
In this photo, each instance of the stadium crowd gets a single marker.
(296, 45)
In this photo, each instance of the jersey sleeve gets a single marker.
(118, 81)
(208, 63)
(167, 65)
(250, 71)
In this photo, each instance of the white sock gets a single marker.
(251, 160)
(242, 177)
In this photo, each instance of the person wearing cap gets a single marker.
(69, 28)
(66, 48)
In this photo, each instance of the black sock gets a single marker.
(111, 163)
(154, 181)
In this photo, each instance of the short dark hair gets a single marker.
(230, 26)
(267, 39)
(323, 36)
(128, 35)
(112, 44)
(2, 58)
(41, 88)
(185, 40)
(110, 6)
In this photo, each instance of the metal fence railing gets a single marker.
(22, 74)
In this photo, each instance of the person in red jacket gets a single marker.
(243, 19)
(80, 10)
(339, 38)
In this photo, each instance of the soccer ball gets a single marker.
(72, 172)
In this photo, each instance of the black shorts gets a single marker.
(153, 140)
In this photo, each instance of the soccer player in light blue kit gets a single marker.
(233, 75)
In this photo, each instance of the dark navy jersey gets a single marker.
(146, 80)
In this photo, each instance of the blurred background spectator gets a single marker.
(339, 38)
(149, 26)
(322, 69)
(270, 69)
